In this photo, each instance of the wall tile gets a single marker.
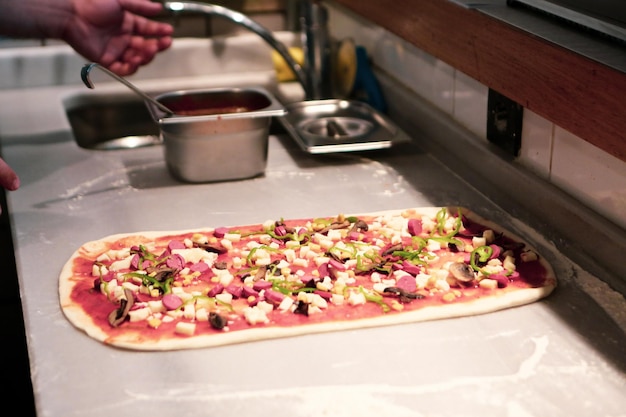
(425, 75)
(590, 174)
(470, 104)
(536, 151)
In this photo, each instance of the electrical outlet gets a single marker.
(504, 122)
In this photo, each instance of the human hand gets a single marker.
(8, 178)
(117, 34)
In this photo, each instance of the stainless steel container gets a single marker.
(216, 134)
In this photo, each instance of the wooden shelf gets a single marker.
(576, 93)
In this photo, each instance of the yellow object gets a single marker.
(283, 71)
(345, 68)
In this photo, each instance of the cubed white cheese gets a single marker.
(108, 287)
(233, 237)
(185, 328)
(478, 241)
(202, 314)
(103, 258)
(325, 284)
(488, 283)
(450, 224)
(492, 269)
(400, 273)
(224, 297)
(379, 287)
(227, 244)
(320, 260)
(376, 277)
(292, 244)
(489, 236)
(99, 270)
(189, 311)
(117, 294)
(350, 263)
(156, 306)
(130, 286)
(226, 278)
(118, 254)
(175, 314)
(433, 245)
(204, 302)
(265, 306)
(509, 263)
(285, 304)
(318, 301)
(428, 224)
(325, 243)
(334, 234)
(274, 245)
(304, 252)
(421, 280)
(345, 275)
(238, 262)
(265, 239)
(313, 309)
(121, 264)
(200, 238)
(195, 255)
(255, 315)
(303, 263)
(337, 299)
(139, 314)
(528, 256)
(442, 285)
(289, 254)
(356, 298)
(185, 296)
(263, 261)
(282, 264)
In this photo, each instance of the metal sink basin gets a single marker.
(334, 125)
(108, 122)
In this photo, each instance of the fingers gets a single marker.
(142, 7)
(145, 39)
(151, 28)
(140, 51)
(8, 177)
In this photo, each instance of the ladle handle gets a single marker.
(84, 75)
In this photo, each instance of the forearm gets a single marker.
(34, 18)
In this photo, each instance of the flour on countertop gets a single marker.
(366, 399)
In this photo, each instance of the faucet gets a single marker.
(314, 75)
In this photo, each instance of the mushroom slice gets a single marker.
(335, 225)
(163, 273)
(390, 250)
(403, 296)
(461, 271)
(117, 316)
(214, 248)
(359, 226)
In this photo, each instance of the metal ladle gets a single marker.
(84, 75)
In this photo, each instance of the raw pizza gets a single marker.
(217, 286)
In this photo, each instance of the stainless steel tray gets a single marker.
(333, 125)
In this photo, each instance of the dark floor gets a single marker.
(17, 389)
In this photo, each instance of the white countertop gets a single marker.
(564, 356)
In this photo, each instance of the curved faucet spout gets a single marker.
(243, 20)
